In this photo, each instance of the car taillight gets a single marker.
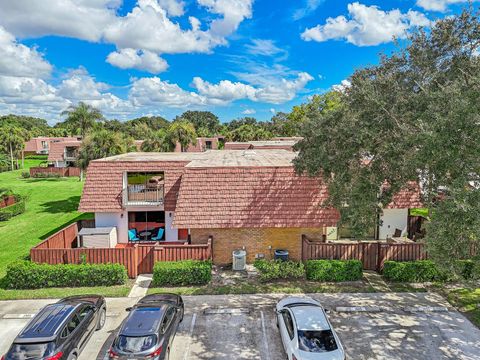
(57, 356)
(3, 357)
(112, 354)
(155, 353)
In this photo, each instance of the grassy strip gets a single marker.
(55, 293)
(51, 203)
(466, 300)
(284, 287)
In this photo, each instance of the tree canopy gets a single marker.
(414, 117)
(81, 118)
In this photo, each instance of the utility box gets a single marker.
(332, 233)
(239, 260)
(101, 237)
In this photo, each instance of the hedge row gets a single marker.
(13, 210)
(427, 271)
(30, 275)
(278, 269)
(181, 273)
(334, 270)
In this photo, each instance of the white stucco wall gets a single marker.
(114, 219)
(171, 233)
(392, 219)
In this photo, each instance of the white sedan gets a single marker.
(306, 332)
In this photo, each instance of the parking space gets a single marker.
(381, 326)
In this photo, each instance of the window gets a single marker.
(287, 318)
(147, 225)
(73, 324)
(208, 145)
(317, 341)
(136, 344)
(167, 319)
(144, 188)
(30, 351)
(85, 312)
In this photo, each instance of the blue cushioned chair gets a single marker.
(159, 235)
(133, 235)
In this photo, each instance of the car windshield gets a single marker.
(136, 344)
(316, 341)
(29, 351)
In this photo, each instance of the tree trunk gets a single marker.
(23, 159)
(11, 156)
(81, 174)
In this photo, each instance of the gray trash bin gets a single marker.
(281, 255)
(239, 260)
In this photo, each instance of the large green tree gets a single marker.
(182, 132)
(158, 141)
(414, 117)
(12, 143)
(81, 117)
(205, 123)
(103, 143)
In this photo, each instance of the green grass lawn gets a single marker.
(51, 203)
(466, 300)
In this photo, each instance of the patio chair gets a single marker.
(158, 234)
(133, 235)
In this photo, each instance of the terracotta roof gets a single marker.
(57, 149)
(280, 143)
(104, 183)
(251, 197)
(237, 145)
(35, 144)
(408, 198)
(235, 158)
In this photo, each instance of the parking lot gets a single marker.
(379, 326)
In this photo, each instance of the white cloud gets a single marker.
(368, 25)
(173, 7)
(344, 85)
(273, 111)
(82, 19)
(249, 112)
(274, 93)
(153, 91)
(264, 48)
(438, 5)
(19, 60)
(309, 7)
(136, 59)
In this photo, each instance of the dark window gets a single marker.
(287, 318)
(135, 344)
(73, 324)
(208, 145)
(85, 312)
(167, 319)
(30, 351)
(316, 341)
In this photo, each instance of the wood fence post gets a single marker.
(210, 243)
(135, 261)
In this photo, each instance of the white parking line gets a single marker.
(187, 347)
(18, 316)
(265, 341)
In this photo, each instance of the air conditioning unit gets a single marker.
(332, 233)
(239, 260)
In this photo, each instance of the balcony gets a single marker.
(70, 155)
(143, 195)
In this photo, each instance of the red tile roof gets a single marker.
(57, 149)
(407, 198)
(35, 144)
(251, 197)
(104, 183)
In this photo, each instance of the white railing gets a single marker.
(139, 195)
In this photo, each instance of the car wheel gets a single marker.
(102, 318)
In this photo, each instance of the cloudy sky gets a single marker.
(161, 57)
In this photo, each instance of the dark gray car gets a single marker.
(59, 331)
(149, 329)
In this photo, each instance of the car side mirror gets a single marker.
(128, 309)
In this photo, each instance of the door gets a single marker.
(87, 323)
(169, 323)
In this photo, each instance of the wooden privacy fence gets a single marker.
(372, 254)
(64, 172)
(60, 248)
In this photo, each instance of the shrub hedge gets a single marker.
(181, 273)
(30, 275)
(427, 271)
(412, 271)
(278, 269)
(334, 270)
(46, 175)
(13, 210)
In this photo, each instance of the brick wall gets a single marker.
(255, 240)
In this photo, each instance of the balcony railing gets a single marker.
(141, 195)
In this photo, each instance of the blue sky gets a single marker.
(162, 57)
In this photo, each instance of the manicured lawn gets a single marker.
(466, 300)
(54, 293)
(51, 203)
(284, 287)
